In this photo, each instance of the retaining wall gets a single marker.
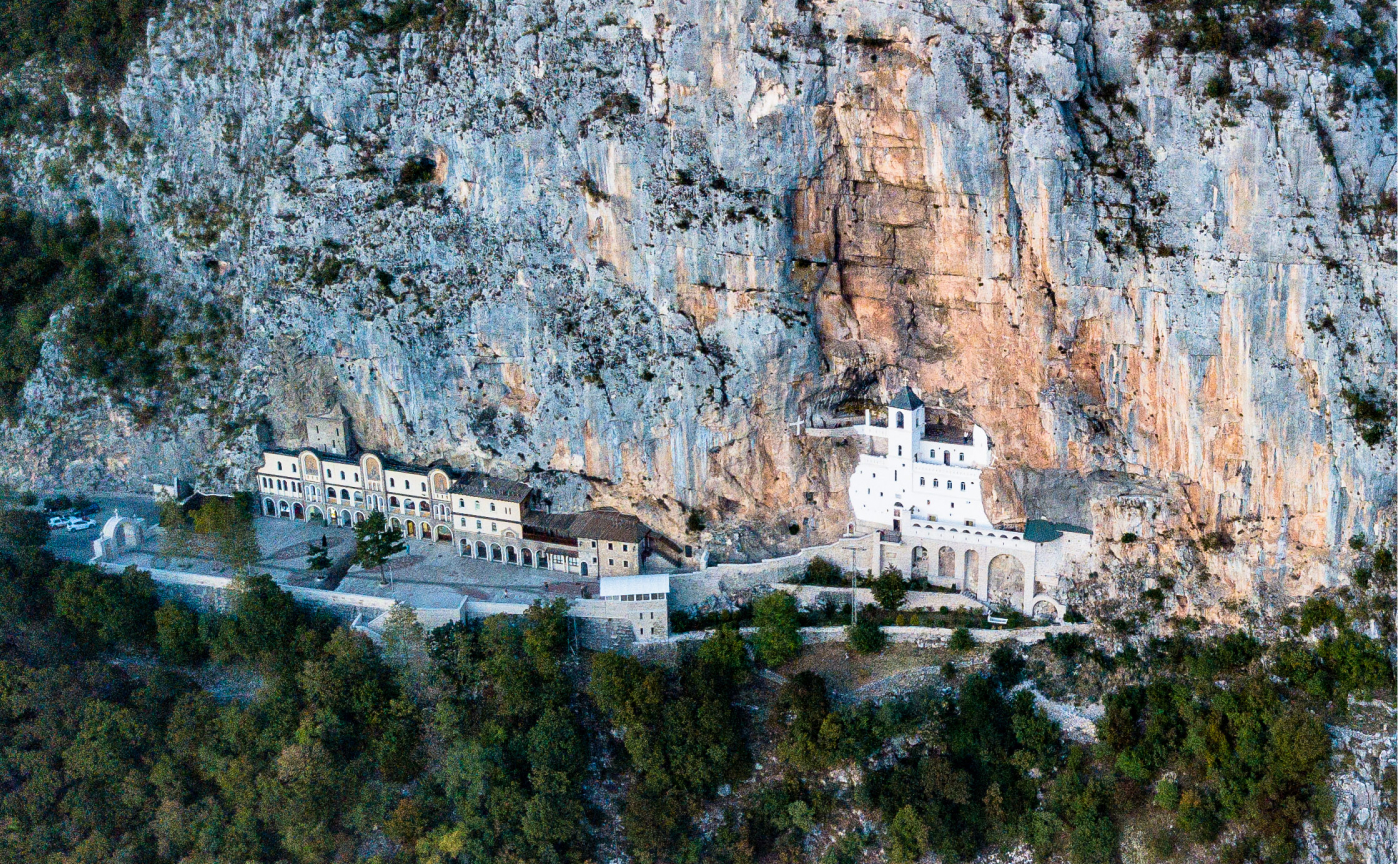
(688, 590)
(921, 636)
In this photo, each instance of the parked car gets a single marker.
(58, 521)
(77, 523)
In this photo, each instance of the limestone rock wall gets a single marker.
(657, 234)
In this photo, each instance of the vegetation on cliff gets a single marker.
(110, 333)
(136, 730)
(93, 39)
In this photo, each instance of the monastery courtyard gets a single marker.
(426, 574)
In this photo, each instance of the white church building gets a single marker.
(919, 483)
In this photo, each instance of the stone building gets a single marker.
(918, 482)
(482, 516)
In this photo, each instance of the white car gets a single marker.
(58, 521)
(77, 523)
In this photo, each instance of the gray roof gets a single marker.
(495, 488)
(906, 401)
(608, 525)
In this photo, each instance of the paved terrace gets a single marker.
(426, 575)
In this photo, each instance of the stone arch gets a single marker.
(425, 530)
(1006, 581)
(345, 518)
(358, 517)
(946, 563)
(972, 570)
(919, 564)
(511, 555)
(443, 534)
(297, 511)
(412, 528)
(1047, 607)
(510, 532)
(526, 557)
(283, 510)
(395, 523)
(495, 552)
(269, 507)
(480, 549)
(315, 513)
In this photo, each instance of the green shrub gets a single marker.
(1383, 561)
(1129, 537)
(866, 636)
(778, 638)
(177, 634)
(890, 590)
(1167, 794)
(961, 640)
(821, 572)
(416, 170)
(694, 522)
(1372, 413)
(1219, 86)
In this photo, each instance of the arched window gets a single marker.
(393, 500)
(963, 487)
(480, 550)
(900, 425)
(922, 481)
(495, 552)
(527, 557)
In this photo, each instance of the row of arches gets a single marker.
(421, 530)
(1004, 581)
(347, 517)
(506, 554)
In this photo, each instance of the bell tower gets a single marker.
(330, 432)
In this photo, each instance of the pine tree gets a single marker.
(375, 541)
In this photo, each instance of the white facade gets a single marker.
(923, 483)
(919, 478)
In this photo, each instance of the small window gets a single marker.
(935, 484)
(392, 482)
(478, 524)
(625, 563)
(610, 562)
(623, 547)
(961, 456)
(478, 503)
(900, 419)
(279, 466)
(424, 486)
(963, 487)
(356, 476)
(922, 481)
(492, 527)
(609, 546)
(492, 506)
(900, 453)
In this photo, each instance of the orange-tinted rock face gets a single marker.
(650, 248)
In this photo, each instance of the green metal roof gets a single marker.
(1044, 531)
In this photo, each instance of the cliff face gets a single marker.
(653, 236)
